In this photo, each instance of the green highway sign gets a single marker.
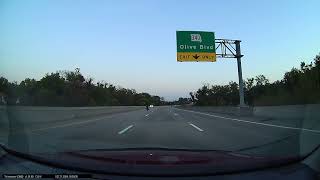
(196, 46)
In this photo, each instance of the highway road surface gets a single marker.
(164, 127)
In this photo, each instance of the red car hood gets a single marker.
(162, 162)
(161, 157)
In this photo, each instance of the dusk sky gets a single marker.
(132, 44)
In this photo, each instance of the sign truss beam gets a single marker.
(226, 48)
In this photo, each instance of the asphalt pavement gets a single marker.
(161, 127)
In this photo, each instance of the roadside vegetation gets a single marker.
(298, 86)
(70, 88)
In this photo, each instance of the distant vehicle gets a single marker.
(151, 106)
(18, 101)
(3, 100)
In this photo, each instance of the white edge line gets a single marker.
(199, 129)
(251, 122)
(239, 155)
(71, 124)
(125, 129)
(65, 125)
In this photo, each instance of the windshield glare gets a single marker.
(160, 76)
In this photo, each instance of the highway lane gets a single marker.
(166, 127)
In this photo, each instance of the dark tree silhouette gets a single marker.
(70, 88)
(298, 86)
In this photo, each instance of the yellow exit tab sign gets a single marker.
(196, 46)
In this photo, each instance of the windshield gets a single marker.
(92, 76)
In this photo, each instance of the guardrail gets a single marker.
(230, 110)
(47, 114)
(309, 114)
(278, 112)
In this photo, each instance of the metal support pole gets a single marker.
(238, 55)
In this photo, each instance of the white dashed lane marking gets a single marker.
(125, 129)
(196, 127)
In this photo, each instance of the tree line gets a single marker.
(298, 86)
(70, 88)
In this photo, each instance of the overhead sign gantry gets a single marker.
(201, 46)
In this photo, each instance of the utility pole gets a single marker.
(238, 56)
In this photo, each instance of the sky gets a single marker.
(132, 44)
